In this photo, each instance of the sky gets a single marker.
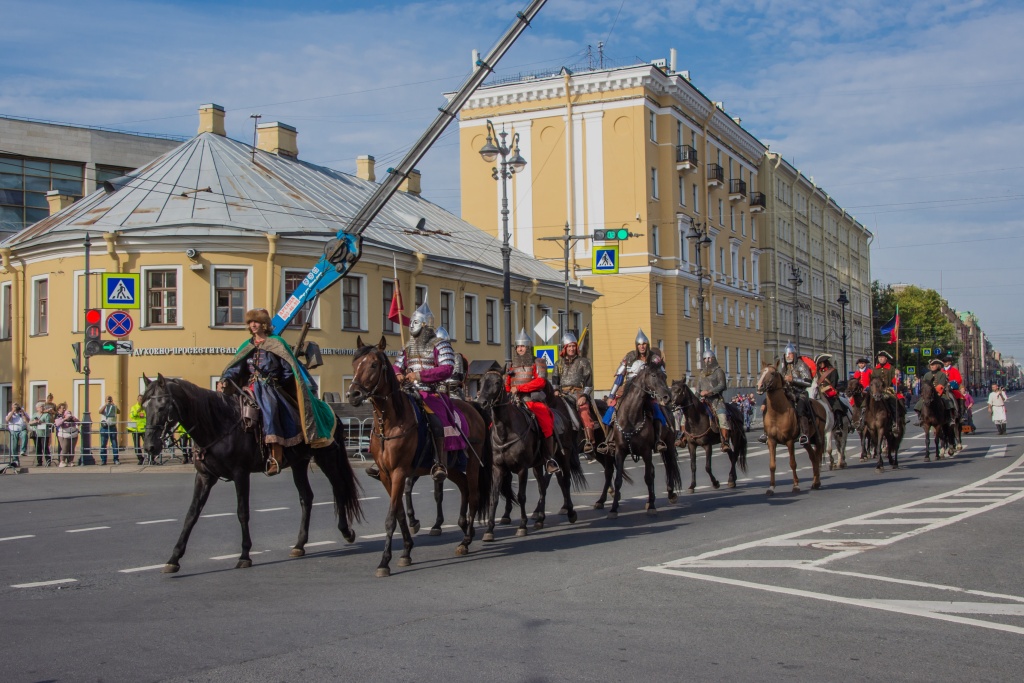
(909, 114)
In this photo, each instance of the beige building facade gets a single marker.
(638, 148)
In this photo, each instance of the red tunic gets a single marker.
(540, 410)
(954, 376)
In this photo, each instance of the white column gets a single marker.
(523, 195)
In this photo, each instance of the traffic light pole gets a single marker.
(86, 415)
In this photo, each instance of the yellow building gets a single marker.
(214, 228)
(640, 148)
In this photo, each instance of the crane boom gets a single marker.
(342, 252)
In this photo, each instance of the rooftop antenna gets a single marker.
(255, 122)
(600, 53)
(590, 58)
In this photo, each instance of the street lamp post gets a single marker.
(86, 415)
(698, 233)
(796, 281)
(843, 301)
(503, 171)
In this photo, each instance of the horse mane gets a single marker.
(211, 411)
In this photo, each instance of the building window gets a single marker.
(655, 238)
(388, 292)
(577, 322)
(291, 280)
(652, 120)
(352, 303)
(161, 298)
(492, 322)
(696, 204)
(682, 191)
(23, 187)
(40, 306)
(759, 360)
(686, 301)
(471, 324)
(421, 295)
(654, 183)
(658, 299)
(743, 223)
(689, 353)
(230, 296)
(447, 319)
(753, 229)
(5, 311)
(732, 218)
(104, 173)
(721, 212)
(728, 364)
(725, 311)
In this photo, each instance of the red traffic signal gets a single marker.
(93, 330)
(93, 316)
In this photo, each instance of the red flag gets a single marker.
(896, 329)
(395, 313)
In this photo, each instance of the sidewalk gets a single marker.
(125, 468)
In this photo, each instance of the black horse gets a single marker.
(224, 450)
(700, 428)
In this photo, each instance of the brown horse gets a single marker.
(782, 426)
(935, 421)
(393, 445)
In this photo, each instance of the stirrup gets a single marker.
(373, 471)
(552, 466)
(588, 446)
(763, 438)
(602, 448)
(660, 446)
(438, 472)
(272, 467)
(803, 439)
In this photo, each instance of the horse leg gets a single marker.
(693, 465)
(771, 466)
(521, 496)
(461, 481)
(649, 480)
(507, 480)
(707, 466)
(439, 501)
(242, 494)
(792, 466)
(734, 457)
(300, 475)
(608, 464)
(543, 481)
(414, 524)
(498, 476)
(564, 482)
(394, 508)
(620, 459)
(200, 492)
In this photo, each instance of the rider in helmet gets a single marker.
(455, 385)
(711, 383)
(576, 380)
(527, 376)
(798, 378)
(887, 373)
(937, 378)
(642, 355)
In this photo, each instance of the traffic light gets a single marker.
(93, 330)
(611, 234)
(77, 359)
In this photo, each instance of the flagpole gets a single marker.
(401, 299)
(898, 339)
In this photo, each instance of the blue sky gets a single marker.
(909, 114)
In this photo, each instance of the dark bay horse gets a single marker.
(701, 429)
(935, 422)
(855, 391)
(393, 445)
(878, 426)
(634, 432)
(782, 426)
(226, 451)
(516, 449)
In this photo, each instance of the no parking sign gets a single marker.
(119, 323)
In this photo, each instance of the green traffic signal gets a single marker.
(109, 347)
(611, 234)
(621, 234)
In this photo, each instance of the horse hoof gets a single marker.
(716, 485)
(348, 535)
(770, 492)
(598, 506)
(816, 486)
(488, 537)
(296, 552)
(461, 550)
(879, 469)
(243, 564)
(652, 512)
(895, 467)
(170, 569)
(613, 515)
(673, 497)
(537, 526)
(435, 531)
(505, 520)
(731, 484)
(611, 491)
(404, 561)
(691, 489)
(382, 572)
(927, 458)
(563, 511)
(520, 533)
(573, 516)
(415, 528)
(796, 489)
(842, 465)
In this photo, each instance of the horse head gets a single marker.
(769, 379)
(853, 389)
(877, 389)
(682, 395)
(653, 383)
(492, 389)
(161, 412)
(372, 373)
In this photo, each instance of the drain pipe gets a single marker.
(17, 322)
(271, 253)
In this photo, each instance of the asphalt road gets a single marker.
(908, 575)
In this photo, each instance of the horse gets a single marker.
(224, 450)
(516, 449)
(836, 442)
(878, 424)
(700, 428)
(782, 425)
(935, 419)
(393, 445)
(634, 431)
(855, 391)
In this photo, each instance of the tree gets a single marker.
(922, 322)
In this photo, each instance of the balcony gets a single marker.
(716, 176)
(757, 202)
(737, 189)
(686, 158)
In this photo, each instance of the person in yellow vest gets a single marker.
(137, 427)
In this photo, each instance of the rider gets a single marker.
(642, 355)
(711, 382)
(798, 378)
(828, 379)
(887, 373)
(427, 361)
(454, 386)
(937, 377)
(576, 380)
(527, 376)
(290, 412)
(956, 381)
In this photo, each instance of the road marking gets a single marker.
(326, 502)
(234, 555)
(897, 520)
(221, 514)
(140, 569)
(996, 451)
(37, 584)
(311, 545)
(271, 509)
(370, 498)
(92, 528)
(15, 538)
(157, 521)
(959, 607)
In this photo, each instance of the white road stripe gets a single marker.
(896, 520)
(234, 555)
(15, 538)
(157, 521)
(140, 569)
(92, 528)
(37, 584)
(326, 502)
(271, 509)
(312, 545)
(996, 451)
(221, 514)
(370, 498)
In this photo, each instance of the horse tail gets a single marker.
(344, 483)
(670, 459)
(576, 474)
(741, 449)
(485, 477)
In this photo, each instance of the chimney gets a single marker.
(58, 201)
(672, 55)
(364, 167)
(211, 119)
(277, 138)
(412, 183)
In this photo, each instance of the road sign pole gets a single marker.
(86, 415)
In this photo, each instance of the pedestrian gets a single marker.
(997, 408)
(137, 427)
(968, 412)
(17, 424)
(40, 425)
(108, 430)
(50, 408)
(67, 438)
(184, 440)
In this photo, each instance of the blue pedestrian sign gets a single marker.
(605, 259)
(938, 351)
(119, 323)
(121, 290)
(548, 353)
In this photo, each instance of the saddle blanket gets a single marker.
(424, 458)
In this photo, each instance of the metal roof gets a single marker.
(213, 186)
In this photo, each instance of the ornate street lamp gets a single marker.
(843, 301)
(796, 281)
(699, 234)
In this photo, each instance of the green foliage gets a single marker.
(922, 322)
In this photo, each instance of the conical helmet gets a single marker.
(569, 338)
(790, 349)
(709, 354)
(641, 338)
(423, 315)
(443, 334)
(523, 338)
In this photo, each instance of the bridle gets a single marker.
(693, 401)
(373, 396)
(761, 389)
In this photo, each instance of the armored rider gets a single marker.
(642, 355)
(454, 386)
(528, 376)
(576, 380)
(887, 373)
(711, 382)
(798, 379)
(937, 378)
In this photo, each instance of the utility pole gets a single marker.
(86, 415)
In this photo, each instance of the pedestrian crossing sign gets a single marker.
(121, 290)
(926, 352)
(548, 353)
(605, 259)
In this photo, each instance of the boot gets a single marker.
(550, 464)
(373, 472)
(588, 444)
(725, 440)
(275, 462)
(763, 438)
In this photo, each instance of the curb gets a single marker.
(137, 469)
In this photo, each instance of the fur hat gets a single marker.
(259, 315)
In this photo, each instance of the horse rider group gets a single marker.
(945, 380)
(642, 356)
